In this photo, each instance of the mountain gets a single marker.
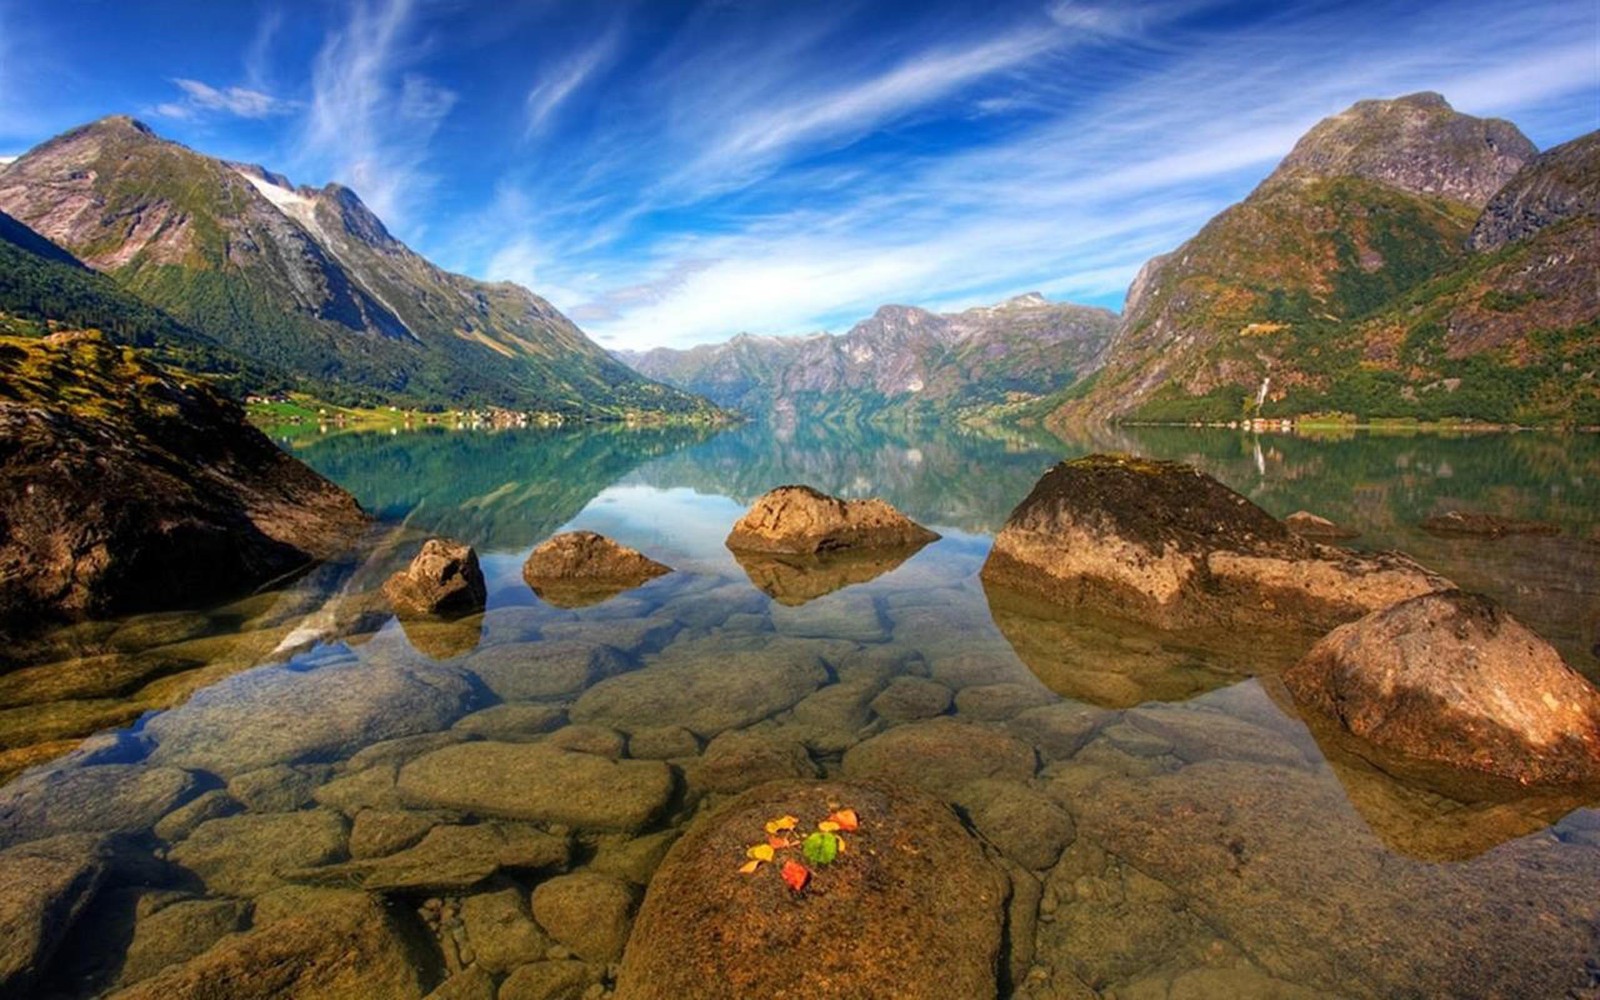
(1325, 289)
(308, 280)
(901, 358)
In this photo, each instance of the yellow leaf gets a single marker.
(761, 852)
(828, 826)
(782, 823)
(841, 842)
(749, 867)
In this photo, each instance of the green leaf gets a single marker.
(820, 848)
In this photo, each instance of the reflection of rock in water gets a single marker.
(443, 638)
(1117, 664)
(796, 579)
(1426, 810)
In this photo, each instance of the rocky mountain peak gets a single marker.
(355, 217)
(1560, 184)
(1417, 143)
(1027, 300)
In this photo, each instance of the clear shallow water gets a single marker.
(1215, 845)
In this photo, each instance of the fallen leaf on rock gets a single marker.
(779, 843)
(827, 826)
(782, 823)
(821, 848)
(761, 852)
(846, 819)
(749, 867)
(795, 875)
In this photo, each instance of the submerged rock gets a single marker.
(444, 579)
(579, 568)
(1452, 677)
(588, 912)
(1455, 522)
(535, 782)
(449, 858)
(798, 520)
(1164, 543)
(246, 855)
(912, 909)
(126, 487)
(44, 886)
(102, 798)
(941, 755)
(351, 949)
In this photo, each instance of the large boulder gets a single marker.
(1166, 544)
(1452, 677)
(444, 579)
(534, 782)
(912, 909)
(798, 520)
(579, 568)
(44, 886)
(126, 487)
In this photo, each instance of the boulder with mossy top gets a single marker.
(444, 579)
(1166, 544)
(1452, 677)
(799, 520)
(579, 568)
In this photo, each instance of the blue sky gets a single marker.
(674, 173)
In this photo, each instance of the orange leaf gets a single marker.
(782, 823)
(749, 867)
(779, 843)
(761, 852)
(795, 875)
(847, 820)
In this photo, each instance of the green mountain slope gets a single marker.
(1326, 288)
(309, 281)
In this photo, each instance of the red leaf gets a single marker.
(796, 875)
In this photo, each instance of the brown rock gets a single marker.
(1309, 525)
(447, 859)
(1452, 677)
(737, 760)
(444, 579)
(587, 912)
(580, 568)
(963, 751)
(1456, 522)
(350, 950)
(798, 520)
(1166, 544)
(44, 886)
(559, 980)
(101, 486)
(920, 907)
(793, 580)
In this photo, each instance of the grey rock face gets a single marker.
(1560, 184)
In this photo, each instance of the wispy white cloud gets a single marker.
(1091, 170)
(553, 89)
(200, 98)
(372, 115)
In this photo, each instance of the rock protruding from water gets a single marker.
(798, 520)
(1164, 543)
(126, 487)
(1452, 677)
(579, 568)
(1316, 527)
(1458, 522)
(912, 909)
(444, 579)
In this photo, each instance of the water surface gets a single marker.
(1214, 844)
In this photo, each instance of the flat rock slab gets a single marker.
(354, 949)
(531, 671)
(704, 694)
(533, 782)
(449, 858)
(44, 886)
(102, 798)
(940, 755)
(247, 855)
(274, 715)
(912, 909)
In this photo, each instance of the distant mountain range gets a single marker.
(1404, 260)
(304, 282)
(902, 359)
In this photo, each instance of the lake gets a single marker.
(1182, 833)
